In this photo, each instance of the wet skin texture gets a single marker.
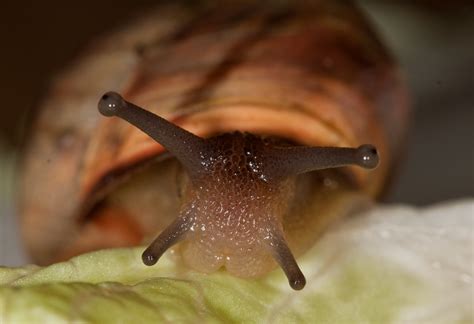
(239, 191)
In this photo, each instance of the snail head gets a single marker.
(239, 184)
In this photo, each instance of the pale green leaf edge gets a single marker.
(347, 283)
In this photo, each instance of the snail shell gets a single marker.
(293, 73)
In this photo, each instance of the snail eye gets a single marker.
(110, 104)
(367, 156)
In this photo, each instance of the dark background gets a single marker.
(434, 41)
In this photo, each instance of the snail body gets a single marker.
(251, 99)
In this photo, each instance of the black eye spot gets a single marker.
(110, 103)
(367, 155)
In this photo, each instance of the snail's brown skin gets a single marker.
(295, 74)
(232, 213)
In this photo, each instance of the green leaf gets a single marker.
(394, 264)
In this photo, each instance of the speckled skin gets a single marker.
(234, 211)
(238, 194)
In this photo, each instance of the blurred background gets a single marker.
(433, 41)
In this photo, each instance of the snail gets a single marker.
(255, 127)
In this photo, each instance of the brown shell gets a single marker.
(310, 72)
